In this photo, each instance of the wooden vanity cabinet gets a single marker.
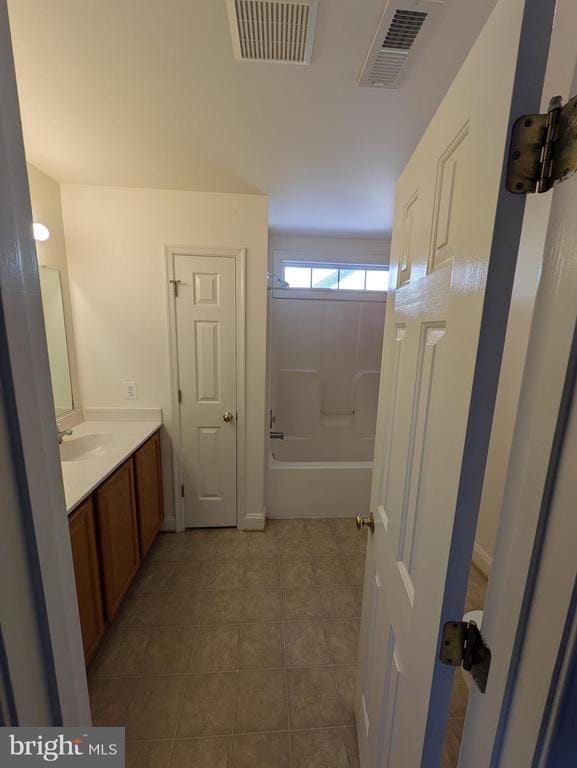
(118, 533)
(87, 576)
(149, 498)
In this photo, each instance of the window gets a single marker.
(336, 277)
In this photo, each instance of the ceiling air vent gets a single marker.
(396, 38)
(273, 30)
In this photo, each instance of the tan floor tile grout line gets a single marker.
(203, 571)
(288, 714)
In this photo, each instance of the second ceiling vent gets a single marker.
(398, 34)
(273, 30)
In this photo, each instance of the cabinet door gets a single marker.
(118, 529)
(87, 575)
(149, 503)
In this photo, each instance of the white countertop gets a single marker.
(81, 478)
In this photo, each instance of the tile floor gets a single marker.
(206, 668)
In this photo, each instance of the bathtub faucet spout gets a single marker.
(277, 435)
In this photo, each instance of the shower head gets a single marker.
(273, 276)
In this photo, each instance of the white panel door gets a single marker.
(453, 253)
(206, 348)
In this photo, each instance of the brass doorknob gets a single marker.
(227, 416)
(368, 522)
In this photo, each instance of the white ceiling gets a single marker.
(146, 93)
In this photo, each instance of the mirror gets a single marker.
(51, 289)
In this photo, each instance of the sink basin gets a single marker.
(87, 447)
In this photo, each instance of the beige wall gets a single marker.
(354, 249)
(115, 241)
(47, 209)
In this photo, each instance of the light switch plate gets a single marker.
(130, 390)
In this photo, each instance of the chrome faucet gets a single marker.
(62, 433)
(277, 435)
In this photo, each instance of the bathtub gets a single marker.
(313, 478)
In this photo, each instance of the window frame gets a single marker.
(334, 294)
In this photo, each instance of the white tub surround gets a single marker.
(318, 478)
(318, 488)
(102, 447)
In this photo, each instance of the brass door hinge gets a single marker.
(462, 645)
(543, 148)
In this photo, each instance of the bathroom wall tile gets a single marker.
(223, 607)
(343, 640)
(313, 698)
(169, 650)
(261, 701)
(261, 750)
(227, 574)
(297, 573)
(305, 644)
(154, 708)
(216, 648)
(260, 573)
(262, 604)
(148, 754)
(346, 679)
(261, 646)
(301, 603)
(121, 654)
(326, 748)
(340, 603)
(109, 700)
(213, 752)
(208, 705)
(330, 571)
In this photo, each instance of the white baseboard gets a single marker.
(253, 522)
(309, 514)
(482, 560)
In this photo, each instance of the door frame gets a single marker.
(522, 526)
(42, 669)
(239, 256)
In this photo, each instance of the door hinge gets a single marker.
(543, 148)
(182, 490)
(175, 284)
(180, 395)
(462, 645)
